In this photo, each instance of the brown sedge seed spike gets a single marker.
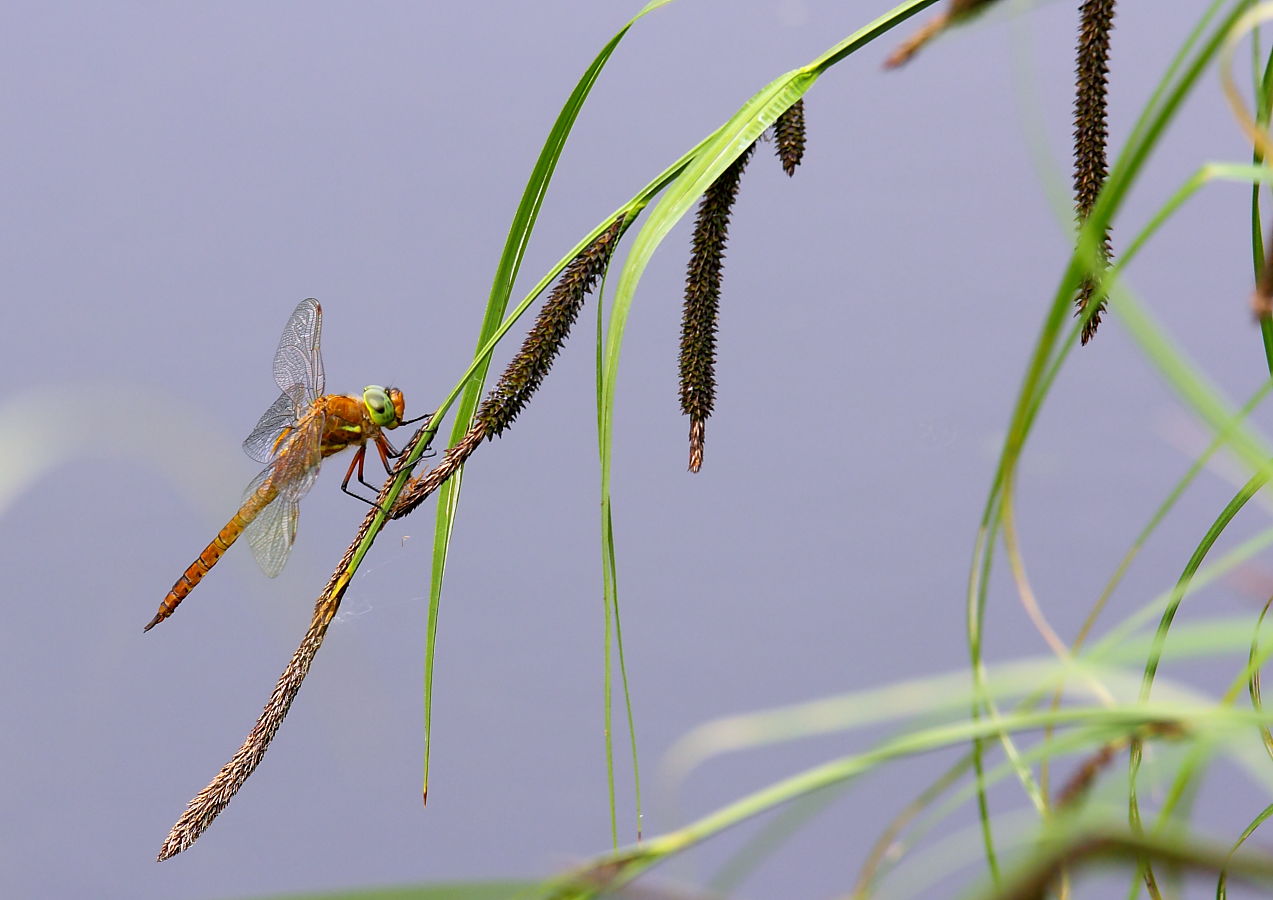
(209, 802)
(418, 490)
(789, 137)
(526, 371)
(702, 302)
(1091, 137)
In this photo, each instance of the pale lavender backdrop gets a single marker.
(177, 177)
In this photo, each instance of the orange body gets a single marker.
(345, 422)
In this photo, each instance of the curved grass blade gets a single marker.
(1254, 660)
(1182, 76)
(1259, 257)
(501, 289)
(685, 182)
(1222, 884)
(1160, 637)
(1093, 726)
(1186, 782)
(1231, 509)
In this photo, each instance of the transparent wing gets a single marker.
(273, 531)
(296, 468)
(298, 365)
(272, 534)
(263, 443)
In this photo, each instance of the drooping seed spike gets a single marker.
(214, 798)
(702, 302)
(1091, 139)
(527, 369)
(546, 337)
(209, 802)
(789, 137)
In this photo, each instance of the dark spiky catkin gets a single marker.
(789, 137)
(527, 369)
(1091, 137)
(702, 301)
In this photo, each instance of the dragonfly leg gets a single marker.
(386, 451)
(362, 454)
(356, 463)
(428, 451)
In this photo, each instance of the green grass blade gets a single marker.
(682, 184)
(1231, 509)
(1179, 81)
(491, 329)
(1095, 726)
(1263, 82)
(1222, 883)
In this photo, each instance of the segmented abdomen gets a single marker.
(194, 573)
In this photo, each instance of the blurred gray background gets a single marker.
(177, 177)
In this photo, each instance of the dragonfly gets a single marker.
(301, 428)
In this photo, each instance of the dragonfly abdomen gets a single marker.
(225, 538)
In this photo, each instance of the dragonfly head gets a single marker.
(385, 405)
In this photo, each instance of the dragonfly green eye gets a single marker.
(380, 406)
